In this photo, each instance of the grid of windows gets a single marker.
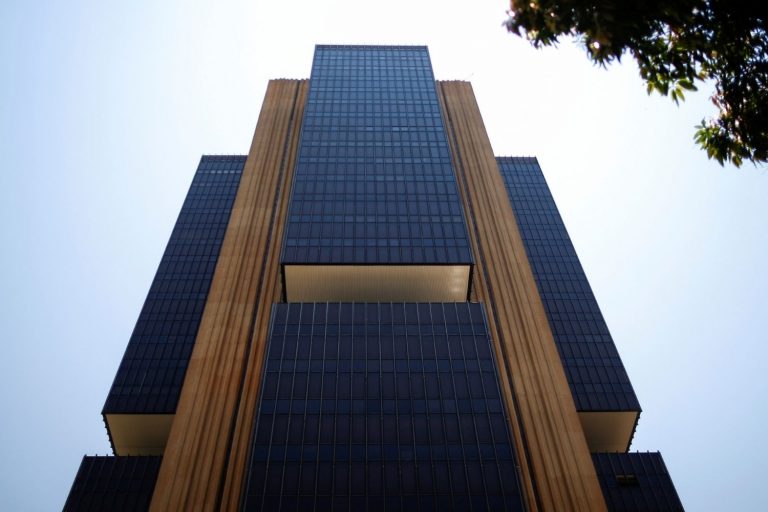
(113, 483)
(595, 372)
(374, 181)
(636, 481)
(152, 371)
(381, 406)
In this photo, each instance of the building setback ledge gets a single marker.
(376, 283)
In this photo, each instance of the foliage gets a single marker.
(675, 44)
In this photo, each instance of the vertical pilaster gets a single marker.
(555, 459)
(206, 437)
(269, 293)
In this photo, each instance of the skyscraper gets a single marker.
(371, 311)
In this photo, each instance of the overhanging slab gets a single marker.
(376, 283)
(139, 434)
(609, 431)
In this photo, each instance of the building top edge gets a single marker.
(516, 158)
(370, 47)
(125, 457)
(633, 452)
(368, 303)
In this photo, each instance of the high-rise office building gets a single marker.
(371, 311)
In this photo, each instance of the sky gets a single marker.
(106, 108)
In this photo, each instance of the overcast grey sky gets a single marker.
(106, 107)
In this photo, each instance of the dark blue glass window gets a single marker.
(152, 371)
(402, 429)
(595, 372)
(120, 484)
(636, 481)
(374, 181)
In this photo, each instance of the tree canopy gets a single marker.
(676, 44)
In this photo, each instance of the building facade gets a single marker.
(371, 311)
